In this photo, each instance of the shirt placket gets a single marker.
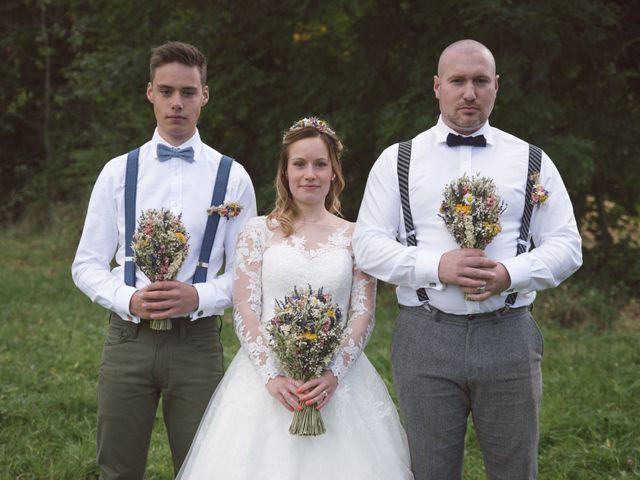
(175, 200)
(465, 155)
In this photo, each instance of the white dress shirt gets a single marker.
(184, 188)
(433, 165)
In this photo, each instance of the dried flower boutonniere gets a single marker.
(227, 210)
(539, 195)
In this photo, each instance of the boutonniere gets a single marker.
(227, 210)
(539, 194)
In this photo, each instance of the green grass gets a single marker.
(51, 340)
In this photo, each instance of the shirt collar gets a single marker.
(442, 130)
(195, 142)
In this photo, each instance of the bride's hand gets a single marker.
(285, 390)
(319, 390)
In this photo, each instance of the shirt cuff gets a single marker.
(122, 301)
(520, 273)
(426, 270)
(210, 301)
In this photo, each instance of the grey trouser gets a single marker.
(139, 365)
(447, 366)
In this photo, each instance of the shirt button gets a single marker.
(200, 313)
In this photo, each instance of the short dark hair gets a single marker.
(178, 52)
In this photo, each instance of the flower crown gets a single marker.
(313, 122)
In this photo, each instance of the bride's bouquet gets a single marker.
(160, 246)
(305, 332)
(471, 211)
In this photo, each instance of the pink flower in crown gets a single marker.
(313, 122)
(490, 201)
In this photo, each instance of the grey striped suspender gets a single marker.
(535, 162)
(404, 159)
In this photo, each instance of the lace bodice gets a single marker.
(268, 265)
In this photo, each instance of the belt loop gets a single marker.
(134, 329)
(183, 328)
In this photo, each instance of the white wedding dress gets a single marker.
(244, 433)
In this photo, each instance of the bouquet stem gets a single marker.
(307, 422)
(164, 324)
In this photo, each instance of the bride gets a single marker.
(244, 433)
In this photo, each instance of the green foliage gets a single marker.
(614, 267)
(367, 66)
(578, 304)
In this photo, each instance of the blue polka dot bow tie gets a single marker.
(165, 153)
(459, 140)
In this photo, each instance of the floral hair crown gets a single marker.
(313, 122)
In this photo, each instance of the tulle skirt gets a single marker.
(244, 433)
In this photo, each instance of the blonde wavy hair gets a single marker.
(285, 211)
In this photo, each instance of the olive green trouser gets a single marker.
(139, 365)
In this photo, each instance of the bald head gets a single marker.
(465, 47)
(466, 85)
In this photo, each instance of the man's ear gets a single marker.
(150, 92)
(205, 95)
(436, 86)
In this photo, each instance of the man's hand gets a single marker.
(499, 283)
(468, 268)
(166, 299)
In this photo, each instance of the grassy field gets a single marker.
(51, 339)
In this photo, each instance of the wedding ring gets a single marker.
(481, 289)
(324, 394)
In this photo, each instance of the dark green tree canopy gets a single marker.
(75, 74)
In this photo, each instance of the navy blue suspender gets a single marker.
(130, 191)
(219, 192)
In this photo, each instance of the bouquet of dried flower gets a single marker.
(160, 246)
(305, 332)
(471, 211)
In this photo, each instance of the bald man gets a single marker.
(465, 341)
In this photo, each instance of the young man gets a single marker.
(465, 341)
(183, 365)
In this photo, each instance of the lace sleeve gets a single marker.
(361, 319)
(247, 298)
